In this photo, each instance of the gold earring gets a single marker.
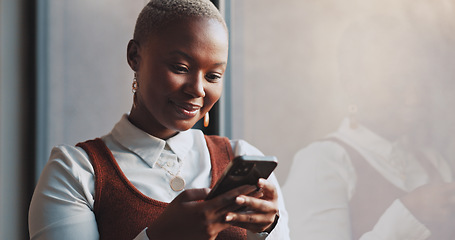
(134, 100)
(352, 110)
(134, 86)
(206, 119)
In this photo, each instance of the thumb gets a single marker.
(193, 194)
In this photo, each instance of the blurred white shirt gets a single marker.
(62, 204)
(322, 181)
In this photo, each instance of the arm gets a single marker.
(62, 204)
(318, 190)
(397, 223)
(262, 215)
(433, 204)
(281, 230)
(195, 219)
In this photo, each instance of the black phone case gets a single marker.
(243, 170)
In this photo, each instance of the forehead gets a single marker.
(189, 28)
(190, 34)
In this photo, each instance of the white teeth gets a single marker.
(189, 107)
(192, 110)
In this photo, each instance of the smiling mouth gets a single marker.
(187, 110)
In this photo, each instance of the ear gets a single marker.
(132, 55)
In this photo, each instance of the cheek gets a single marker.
(213, 94)
(163, 83)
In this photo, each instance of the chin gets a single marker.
(183, 126)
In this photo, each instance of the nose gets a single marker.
(195, 86)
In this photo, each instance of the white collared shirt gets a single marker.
(322, 181)
(62, 204)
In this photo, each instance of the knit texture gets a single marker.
(122, 211)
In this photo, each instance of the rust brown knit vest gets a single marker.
(374, 194)
(122, 211)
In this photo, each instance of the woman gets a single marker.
(377, 176)
(147, 179)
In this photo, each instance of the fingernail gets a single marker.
(228, 218)
(239, 200)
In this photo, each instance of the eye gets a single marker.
(180, 68)
(213, 77)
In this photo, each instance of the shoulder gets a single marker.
(324, 149)
(322, 166)
(65, 188)
(67, 159)
(323, 158)
(239, 146)
(242, 147)
(67, 175)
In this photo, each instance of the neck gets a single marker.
(142, 121)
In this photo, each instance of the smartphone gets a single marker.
(243, 170)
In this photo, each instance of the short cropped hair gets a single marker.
(157, 14)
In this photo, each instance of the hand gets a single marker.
(186, 217)
(433, 205)
(262, 208)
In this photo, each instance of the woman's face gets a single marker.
(179, 74)
(393, 99)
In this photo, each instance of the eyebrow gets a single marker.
(185, 55)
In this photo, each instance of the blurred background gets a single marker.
(64, 78)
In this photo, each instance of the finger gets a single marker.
(256, 204)
(269, 189)
(242, 190)
(228, 199)
(259, 193)
(234, 207)
(193, 195)
(255, 222)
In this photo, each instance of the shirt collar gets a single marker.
(144, 145)
(148, 147)
(181, 143)
(366, 139)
